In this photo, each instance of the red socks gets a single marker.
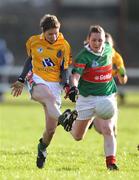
(110, 160)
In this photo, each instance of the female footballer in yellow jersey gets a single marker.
(119, 71)
(49, 57)
(117, 63)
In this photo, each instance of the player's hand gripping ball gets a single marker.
(105, 109)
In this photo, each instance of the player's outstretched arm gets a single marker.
(122, 76)
(17, 87)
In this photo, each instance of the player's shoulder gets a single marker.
(33, 38)
(81, 55)
(83, 52)
(63, 40)
(116, 54)
(66, 44)
(108, 47)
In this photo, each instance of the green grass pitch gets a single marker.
(22, 123)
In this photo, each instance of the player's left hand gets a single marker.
(17, 88)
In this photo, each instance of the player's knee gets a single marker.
(43, 99)
(37, 96)
(107, 130)
(33, 96)
(77, 137)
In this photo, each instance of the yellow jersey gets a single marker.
(117, 63)
(48, 59)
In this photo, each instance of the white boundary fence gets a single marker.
(14, 71)
(5, 74)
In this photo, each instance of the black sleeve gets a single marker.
(27, 67)
(65, 76)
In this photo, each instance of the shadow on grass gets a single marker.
(67, 104)
(11, 153)
(67, 169)
(19, 103)
(130, 105)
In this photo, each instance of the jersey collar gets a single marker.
(91, 51)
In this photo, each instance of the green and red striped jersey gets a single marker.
(96, 72)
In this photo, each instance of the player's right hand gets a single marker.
(73, 93)
(66, 89)
(17, 88)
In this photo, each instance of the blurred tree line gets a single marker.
(133, 10)
(20, 20)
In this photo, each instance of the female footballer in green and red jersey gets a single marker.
(92, 78)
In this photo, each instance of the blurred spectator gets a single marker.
(6, 62)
